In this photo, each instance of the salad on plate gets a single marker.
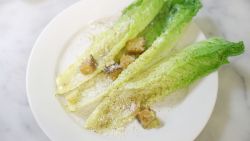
(134, 64)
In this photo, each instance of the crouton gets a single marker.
(125, 60)
(136, 46)
(147, 118)
(88, 66)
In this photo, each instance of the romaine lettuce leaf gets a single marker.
(171, 23)
(193, 63)
(180, 15)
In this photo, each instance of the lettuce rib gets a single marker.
(194, 62)
(108, 44)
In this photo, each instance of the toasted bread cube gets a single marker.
(125, 60)
(88, 66)
(136, 46)
(113, 71)
(147, 118)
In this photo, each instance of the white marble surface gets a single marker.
(21, 21)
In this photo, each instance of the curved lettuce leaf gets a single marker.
(194, 62)
(177, 18)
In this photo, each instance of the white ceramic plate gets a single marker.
(183, 122)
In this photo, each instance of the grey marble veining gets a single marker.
(21, 21)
